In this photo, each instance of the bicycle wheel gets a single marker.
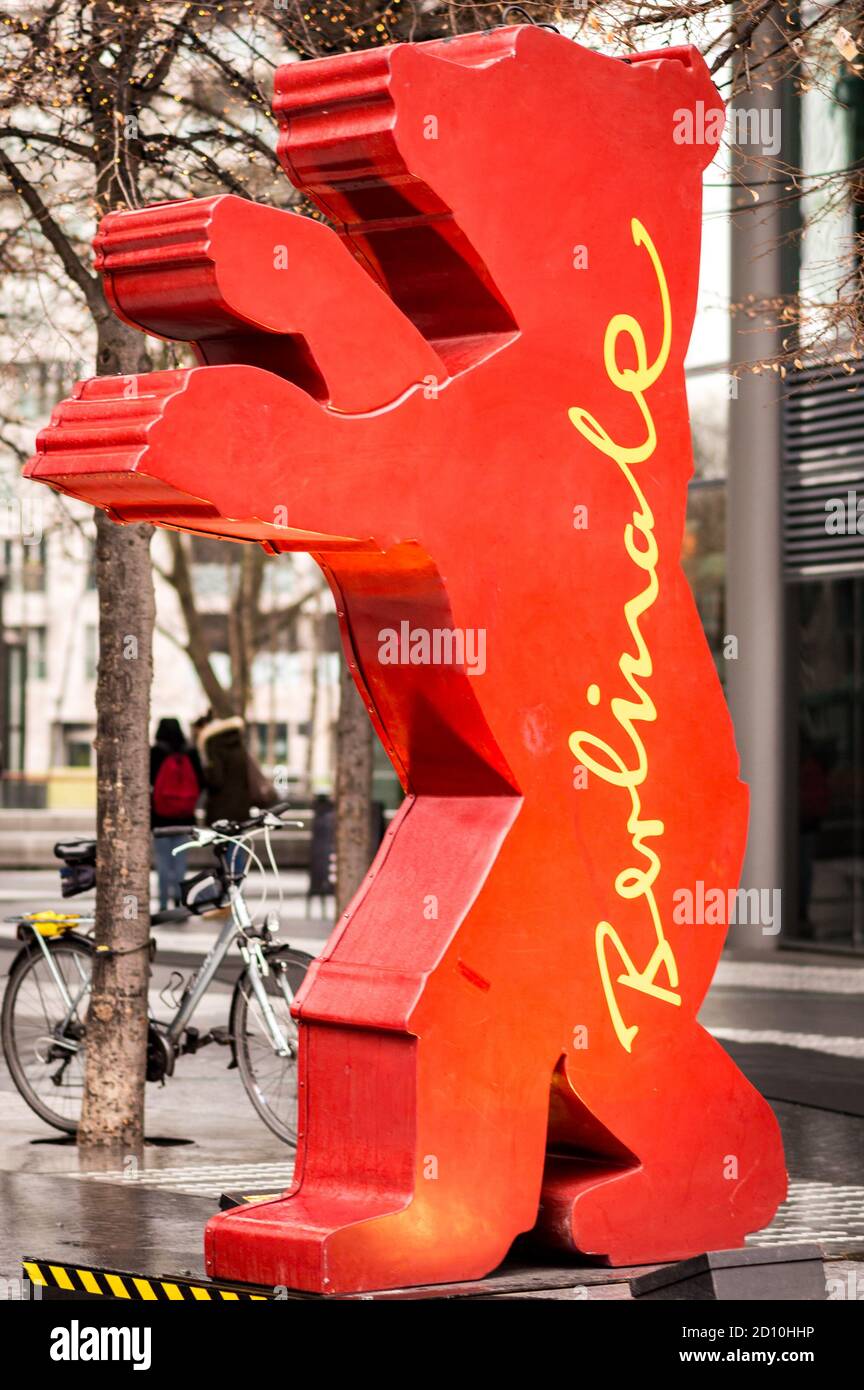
(43, 1039)
(270, 1081)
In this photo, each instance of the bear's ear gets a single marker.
(694, 108)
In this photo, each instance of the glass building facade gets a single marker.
(819, 698)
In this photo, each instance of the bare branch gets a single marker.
(274, 622)
(162, 69)
(73, 265)
(44, 137)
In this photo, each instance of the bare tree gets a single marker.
(251, 627)
(100, 112)
(355, 742)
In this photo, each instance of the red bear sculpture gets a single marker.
(466, 399)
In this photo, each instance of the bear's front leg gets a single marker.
(233, 450)
(293, 301)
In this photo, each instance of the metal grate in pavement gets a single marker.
(828, 1212)
(202, 1180)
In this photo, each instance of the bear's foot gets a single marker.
(666, 1211)
(345, 1244)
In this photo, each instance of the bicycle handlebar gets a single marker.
(228, 827)
(233, 827)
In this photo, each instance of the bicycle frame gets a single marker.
(250, 948)
(255, 963)
(254, 959)
(201, 980)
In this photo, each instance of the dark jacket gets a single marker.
(158, 753)
(226, 770)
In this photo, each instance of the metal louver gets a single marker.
(823, 459)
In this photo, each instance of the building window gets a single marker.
(37, 653)
(25, 564)
(33, 567)
(210, 559)
(829, 808)
(850, 95)
(16, 705)
(703, 559)
(703, 548)
(271, 743)
(78, 745)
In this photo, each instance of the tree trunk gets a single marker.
(314, 698)
(113, 1111)
(243, 607)
(197, 648)
(354, 744)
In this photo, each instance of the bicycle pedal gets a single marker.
(191, 1042)
(222, 1036)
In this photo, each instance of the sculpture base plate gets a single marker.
(145, 1245)
(769, 1272)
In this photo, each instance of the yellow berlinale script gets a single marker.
(636, 881)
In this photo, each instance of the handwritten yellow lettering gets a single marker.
(593, 752)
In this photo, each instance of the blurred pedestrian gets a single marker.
(225, 765)
(175, 786)
(234, 784)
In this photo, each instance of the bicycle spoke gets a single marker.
(47, 1036)
(273, 1077)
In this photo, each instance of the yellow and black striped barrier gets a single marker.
(83, 1281)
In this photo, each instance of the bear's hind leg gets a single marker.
(700, 1166)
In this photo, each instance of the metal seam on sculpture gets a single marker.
(632, 882)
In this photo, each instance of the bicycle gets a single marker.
(44, 1015)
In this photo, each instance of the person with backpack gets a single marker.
(175, 786)
(233, 781)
